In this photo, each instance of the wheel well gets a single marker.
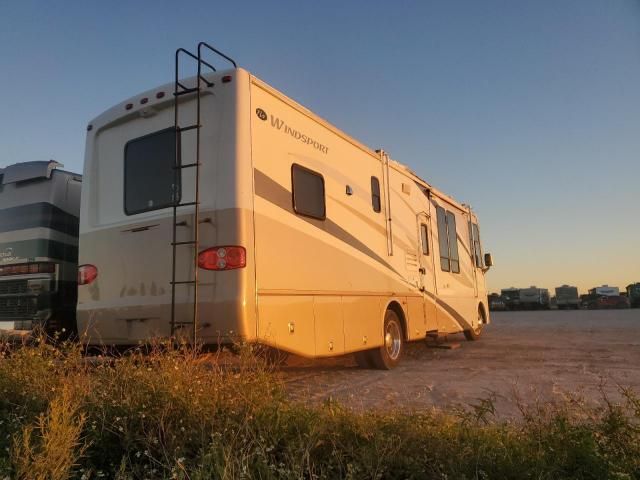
(483, 312)
(395, 306)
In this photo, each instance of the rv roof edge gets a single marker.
(396, 165)
(20, 172)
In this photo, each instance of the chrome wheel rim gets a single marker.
(393, 339)
(478, 328)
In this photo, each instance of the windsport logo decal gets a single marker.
(282, 126)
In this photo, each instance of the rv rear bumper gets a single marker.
(220, 322)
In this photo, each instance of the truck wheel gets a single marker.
(474, 333)
(388, 355)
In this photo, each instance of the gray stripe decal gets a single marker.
(276, 194)
(40, 214)
(449, 309)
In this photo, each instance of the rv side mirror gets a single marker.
(488, 260)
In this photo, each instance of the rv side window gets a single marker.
(424, 239)
(308, 192)
(149, 175)
(448, 241)
(453, 243)
(477, 247)
(375, 194)
(443, 241)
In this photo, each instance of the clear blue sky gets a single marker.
(530, 111)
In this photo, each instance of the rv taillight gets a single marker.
(87, 274)
(160, 95)
(222, 258)
(227, 78)
(128, 106)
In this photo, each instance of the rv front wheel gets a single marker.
(388, 355)
(475, 331)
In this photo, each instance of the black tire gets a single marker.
(61, 325)
(388, 355)
(474, 334)
(363, 359)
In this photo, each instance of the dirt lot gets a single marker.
(539, 355)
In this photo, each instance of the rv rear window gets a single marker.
(308, 192)
(149, 175)
(375, 194)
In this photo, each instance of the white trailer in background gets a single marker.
(605, 290)
(567, 297)
(534, 298)
(275, 225)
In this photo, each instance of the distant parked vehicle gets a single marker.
(633, 293)
(497, 303)
(511, 298)
(39, 210)
(603, 302)
(534, 298)
(567, 297)
(605, 290)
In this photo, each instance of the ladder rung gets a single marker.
(188, 242)
(207, 82)
(186, 204)
(183, 282)
(190, 127)
(179, 324)
(185, 90)
(187, 165)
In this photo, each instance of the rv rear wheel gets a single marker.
(363, 359)
(475, 331)
(388, 355)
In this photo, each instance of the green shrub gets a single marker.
(172, 413)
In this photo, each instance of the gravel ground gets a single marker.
(535, 356)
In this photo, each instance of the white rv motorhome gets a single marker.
(297, 236)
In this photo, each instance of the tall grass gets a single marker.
(169, 414)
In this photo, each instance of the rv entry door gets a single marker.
(427, 280)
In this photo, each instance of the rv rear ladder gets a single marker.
(180, 90)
